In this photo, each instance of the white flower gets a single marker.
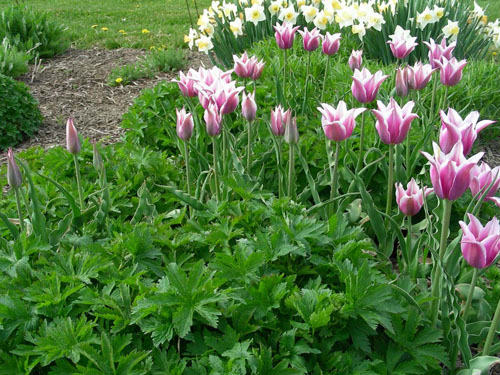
(363, 12)
(236, 27)
(204, 44)
(288, 15)
(426, 17)
(229, 9)
(204, 19)
(438, 12)
(255, 14)
(189, 39)
(376, 20)
(309, 12)
(301, 3)
(451, 30)
(215, 5)
(257, 2)
(207, 29)
(332, 4)
(345, 17)
(359, 29)
(321, 20)
(274, 7)
(477, 11)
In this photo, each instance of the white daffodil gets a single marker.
(363, 12)
(255, 14)
(236, 27)
(190, 38)
(359, 29)
(204, 44)
(316, 2)
(207, 29)
(229, 9)
(243, 2)
(438, 12)
(321, 20)
(300, 4)
(310, 12)
(204, 20)
(332, 4)
(215, 5)
(375, 21)
(274, 7)
(451, 30)
(477, 11)
(426, 17)
(257, 2)
(288, 15)
(345, 17)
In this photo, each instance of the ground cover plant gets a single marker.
(309, 211)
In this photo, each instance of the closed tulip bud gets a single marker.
(450, 70)
(454, 129)
(480, 245)
(285, 35)
(310, 39)
(257, 71)
(451, 173)
(402, 82)
(331, 44)
(411, 200)
(338, 124)
(72, 141)
(185, 124)
(393, 122)
(279, 119)
(483, 177)
(212, 119)
(249, 107)
(365, 85)
(291, 132)
(14, 177)
(356, 60)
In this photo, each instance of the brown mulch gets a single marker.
(74, 84)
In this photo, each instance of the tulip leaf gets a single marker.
(66, 193)
(186, 198)
(12, 228)
(396, 228)
(310, 180)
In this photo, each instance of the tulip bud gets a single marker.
(356, 60)
(72, 141)
(14, 177)
(310, 38)
(184, 124)
(96, 158)
(257, 70)
(212, 119)
(249, 107)
(331, 44)
(450, 71)
(402, 82)
(291, 132)
(411, 200)
(279, 119)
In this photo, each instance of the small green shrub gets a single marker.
(166, 60)
(33, 32)
(19, 112)
(13, 62)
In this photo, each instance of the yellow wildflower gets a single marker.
(122, 31)
(104, 29)
(152, 47)
(494, 53)
(94, 26)
(145, 31)
(119, 80)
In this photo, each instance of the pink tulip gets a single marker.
(279, 120)
(365, 85)
(331, 44)
(249, 107)
(411, 200)
(338, 124)
(213, 120)
(454, 129)
(393, 122)
(225, 95)
(257, 70)
(244, 67)
(482, 177)
(437, 51)
(450, 70)
(402, 88)
(480, 245)
(355, 60)
(285, 34)
(186, 84)
(419, 75)
(401, 43)
(451, 173)
(291, 132)
(14, 176)
(72, 141)
(185, 124)
(310, 39)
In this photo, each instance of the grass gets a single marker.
(165, 20)
(492, 8)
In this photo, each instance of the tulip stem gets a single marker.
(471, 293)
(307, 82)
(216, 170)
(390, 180)
(361, 141)
(433, 99)
(278, 162)
(436, 283)
(249, 146)
(491, 332)
(188, 176)
(284, 77)
(324, 78)
(19, 211)
(189, 12)
(78, 181)
(291, 168)
(335, 175)
(414, 255)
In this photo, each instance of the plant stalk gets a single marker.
(188, 176)
(284, 77)
(19, 210)
(307, 82)
(390, 180)
(491, 332)
(216, 170)
(324, 78)
(278, 162)
(471, 293)
(291, 169)
(78, 181)
(249, 146)
(414, 255)
(433, 98)
(335, 175)
(361, 141)
(436, 284)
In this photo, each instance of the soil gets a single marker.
(74, 84)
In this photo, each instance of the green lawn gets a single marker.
(492, 8)
(166, 20)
